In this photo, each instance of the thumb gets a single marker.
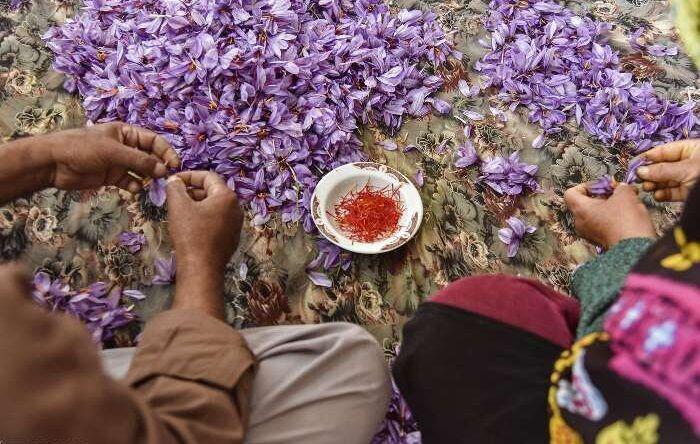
(577, 197)
(663, 172)
(177, 193)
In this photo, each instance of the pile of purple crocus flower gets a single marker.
(508, 175)
(557, 64)
(267, 93)
(97, 306)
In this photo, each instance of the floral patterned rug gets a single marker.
(75, 235)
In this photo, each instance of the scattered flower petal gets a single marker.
(320, 279)
(157, 192)
(513, 235)
(164, 271)
(418, 176)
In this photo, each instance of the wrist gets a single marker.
(199, 285)
(41, 161)
(641, 235)
(26, 166)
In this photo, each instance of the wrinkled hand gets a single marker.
(608, 221)
(205, 226)
(204, 218)
(103, 154)
(674, 171)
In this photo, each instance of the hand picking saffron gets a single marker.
(369, 214)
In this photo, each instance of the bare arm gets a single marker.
(205, 225)
(83, 158)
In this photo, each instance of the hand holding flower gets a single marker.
(674, 169)
(606, 222)
(204, 221)
(83, 158)
(104, 154)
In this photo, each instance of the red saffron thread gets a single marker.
(369, 214)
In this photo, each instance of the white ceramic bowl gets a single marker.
(338, 183)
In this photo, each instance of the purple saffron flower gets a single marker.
(473, 115)
(16, 5)
(419, 178)
(637, 162)
(662, 51)
(508, 175)
(48, 292)
(513, 235)
(164, 271)
(601, 187)
(330, 256)
(466, 155)
(134, 294)
(132, 241)
(320, 279)
(466, 90)
(99, 306)
(558, 65)
(538, 142)
(388, 145)
(268, 94)
(636, 41)
(157, 192)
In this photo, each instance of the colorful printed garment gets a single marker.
(639, 381)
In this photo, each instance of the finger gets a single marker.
(576, 197)
(672, 152)
(129, 184)
(140, 162)
(670, 195)
(209, 181)
(663, 172)
(650, 186)
(197, 193)
(623, 190)
(149, 141)
(177, 193)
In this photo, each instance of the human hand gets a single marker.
(608, 221)
(204, 218)
(104, 154)
(204, 221)
(674, 171)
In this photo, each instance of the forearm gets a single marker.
(597, 283)
(200, 286)
(24, 168)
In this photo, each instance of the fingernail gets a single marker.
(173, 179)
(161, 168)
(642, 171)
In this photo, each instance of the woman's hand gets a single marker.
(104, 155)
(204, 221)
(608, 221)
(674, 171)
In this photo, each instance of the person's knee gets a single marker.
(475, 285)
(362, 352)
